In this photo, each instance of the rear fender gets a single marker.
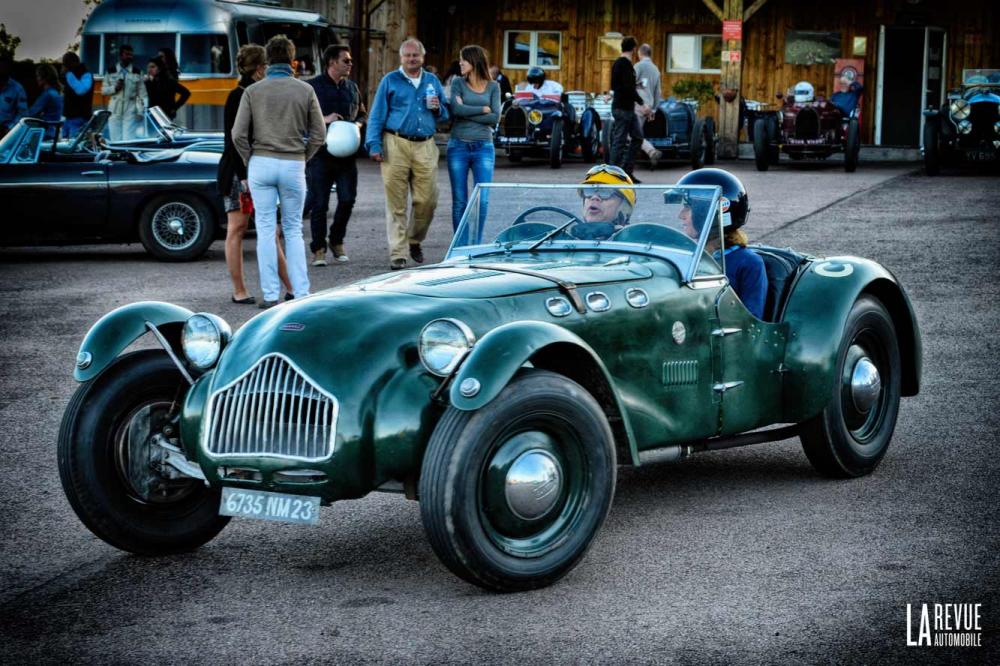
(121, 327)
(817, 313)
(496, 358)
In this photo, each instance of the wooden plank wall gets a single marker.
(447, 25)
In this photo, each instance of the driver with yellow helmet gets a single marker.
(605, 210)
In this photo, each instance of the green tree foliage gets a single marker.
(697, 89)
(89, 6)
(8, 42)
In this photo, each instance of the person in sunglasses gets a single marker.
(605, 210)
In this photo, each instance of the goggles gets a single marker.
(603, 193)
(609, 169)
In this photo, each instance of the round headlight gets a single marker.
(959, 109)
(203, 339)
(534, 116)
(443, 343)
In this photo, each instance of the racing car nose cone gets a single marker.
(533, 486)
(866, 385)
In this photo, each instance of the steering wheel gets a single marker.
(525, 231)
(522, 217)
(657, 234)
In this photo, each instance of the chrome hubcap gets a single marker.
(176, 225)
(866, 384)
(533, 484)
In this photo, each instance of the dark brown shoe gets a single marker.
(417, 253)
(397, 264)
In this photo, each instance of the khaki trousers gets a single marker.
(409, 169)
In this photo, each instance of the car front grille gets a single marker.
(515, 122)
(983, 116)
(807, 124)
(272, 410)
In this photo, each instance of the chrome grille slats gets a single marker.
(271, 410)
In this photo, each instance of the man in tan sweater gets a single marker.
(278, 127)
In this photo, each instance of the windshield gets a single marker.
(972, 77)
(667, 220)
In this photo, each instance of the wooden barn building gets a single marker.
(910, 51)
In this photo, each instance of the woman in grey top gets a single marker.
(475, 106)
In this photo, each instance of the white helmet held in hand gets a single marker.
(342, 138)
(803, 92)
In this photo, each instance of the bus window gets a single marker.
(90, 52)
(205, 54)
(305, 43)
(242, 34)
(144, 45)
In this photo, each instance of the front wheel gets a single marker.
(698, 148)
(851, 435)
(761, 147)
(176, 227)
(853, 147)
(710, 145)
(114, 474)
(590, 143)
(512, 495)
(556, 144)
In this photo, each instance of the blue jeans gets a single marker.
(72, 126)
(462, 156)
(270, 179)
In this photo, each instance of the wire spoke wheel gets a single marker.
(176, 226)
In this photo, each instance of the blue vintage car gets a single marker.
(967, 126)
(676, 131)
(548, 128)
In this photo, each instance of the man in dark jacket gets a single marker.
(78, 94)
(339, 99)
(626, 136)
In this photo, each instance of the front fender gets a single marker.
(817, 313)
(118, 329)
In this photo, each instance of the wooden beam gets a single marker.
(730, 85)
(752, 9)
(714, 8)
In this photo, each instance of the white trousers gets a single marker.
(271, 179)
(124, 127)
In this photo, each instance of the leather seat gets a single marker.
(781, 266)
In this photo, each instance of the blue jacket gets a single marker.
(48, 106)
(13, 103)
(746, 274)
(400, 107)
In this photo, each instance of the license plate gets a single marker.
(261, 505)
(513, 139)
(980, 156)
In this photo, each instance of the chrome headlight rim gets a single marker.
(466, 339)
(535, 117)
(203, 338)
(964, 126)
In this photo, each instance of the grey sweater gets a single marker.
(471, 124)
(286, 119)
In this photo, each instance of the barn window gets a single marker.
(694, 53)
(529, 48)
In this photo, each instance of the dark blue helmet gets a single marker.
(536, 76)
(735, 201)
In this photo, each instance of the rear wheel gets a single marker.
(932, 154)
(556, 144)
(591, 143)
(709, 142)
(851, 435)
(761, 145)
(177, 227)
(512, 495)
(853, 147)
(606, 140)
(698, 144)
(113, 472)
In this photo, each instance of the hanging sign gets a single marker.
(732, 30)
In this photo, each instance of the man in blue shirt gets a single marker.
(400, 137)
(13, 99)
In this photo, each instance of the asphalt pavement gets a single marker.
(740, 556)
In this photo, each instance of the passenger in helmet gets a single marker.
(803, 92)
(605, 210)
(744, 268)
(538, 85)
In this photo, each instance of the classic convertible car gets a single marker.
(63, 192)
(967, 127)
(676, 131)
(501, 388)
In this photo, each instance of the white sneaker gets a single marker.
(319, 258)
(339, 254)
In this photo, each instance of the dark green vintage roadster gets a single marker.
(501, 388)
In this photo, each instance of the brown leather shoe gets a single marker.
(417, 253)
(397, 264)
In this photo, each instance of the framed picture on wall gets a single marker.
(804, 47)
(609, 47)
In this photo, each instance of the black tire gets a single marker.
(698, 147)
(468, 461)
(556, 144)
(100, 478)
(761, 145)
(606, 140)
(514, 157)
(932, 151)
(853, 146)
(177, 227)
(590, 143)
(710, 145)
(843, 440)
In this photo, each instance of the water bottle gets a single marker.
(430, 94)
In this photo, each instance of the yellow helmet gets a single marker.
(607, 174)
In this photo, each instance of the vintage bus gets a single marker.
(205, 35)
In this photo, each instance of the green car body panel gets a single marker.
(118, 329)
(689, 364)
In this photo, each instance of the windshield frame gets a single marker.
(689, 274)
